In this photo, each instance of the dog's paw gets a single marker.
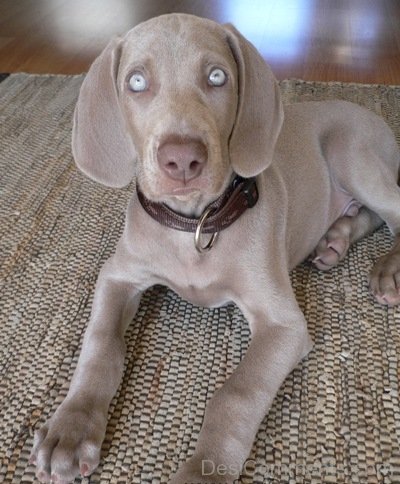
(69, 443)
(333, 246)
(385, 279)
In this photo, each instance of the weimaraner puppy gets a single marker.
(233, 189)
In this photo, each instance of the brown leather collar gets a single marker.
(241, 194)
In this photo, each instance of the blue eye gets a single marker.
(217, 77)
(137, 82)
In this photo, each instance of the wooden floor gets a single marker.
(343, 40)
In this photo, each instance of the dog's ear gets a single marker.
(101, 145)
(259, 114)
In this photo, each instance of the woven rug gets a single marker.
(336, 419)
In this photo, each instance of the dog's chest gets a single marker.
(198, 278)
(210, 297)
(198, 285)
(169, 257)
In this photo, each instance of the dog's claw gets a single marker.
(84, 470)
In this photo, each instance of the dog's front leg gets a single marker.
(70, 442)
(233, 415)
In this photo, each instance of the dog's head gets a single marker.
(181, 103)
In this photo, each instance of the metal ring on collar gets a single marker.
(197, 235)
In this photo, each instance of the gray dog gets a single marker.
(232, 191)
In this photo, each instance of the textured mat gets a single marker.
(336, 418)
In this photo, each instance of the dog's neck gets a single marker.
(240, 195)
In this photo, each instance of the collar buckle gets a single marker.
(250, 192)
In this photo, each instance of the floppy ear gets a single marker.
(101, 146)
(259, 115)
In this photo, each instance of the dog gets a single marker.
(233, 190)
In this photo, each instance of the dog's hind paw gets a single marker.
(334, 245)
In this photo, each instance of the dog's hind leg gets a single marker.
(364, 162)
(381, 194)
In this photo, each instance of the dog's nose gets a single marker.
(182, 159)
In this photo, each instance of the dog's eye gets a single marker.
(137, 82)
(217, 77)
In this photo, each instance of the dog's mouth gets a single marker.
(189, 188)
(188, 201)
(184, 192)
